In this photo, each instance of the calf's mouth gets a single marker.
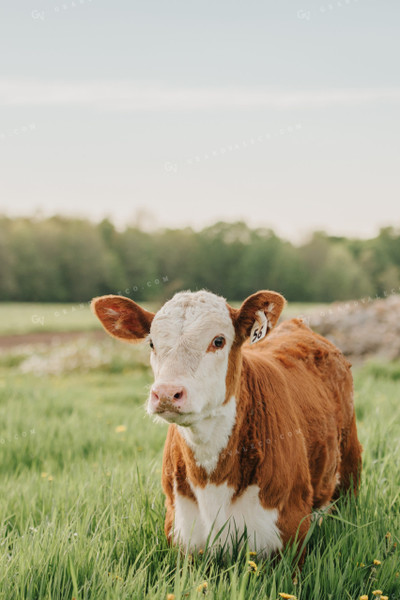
(167, 406)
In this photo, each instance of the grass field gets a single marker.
(28, 317)
(82, 508)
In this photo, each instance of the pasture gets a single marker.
(31, 317)
(81, 502)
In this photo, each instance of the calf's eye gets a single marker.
(218, 342)
(151, 344)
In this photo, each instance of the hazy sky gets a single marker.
(283, 113)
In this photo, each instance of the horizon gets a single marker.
(140, 222)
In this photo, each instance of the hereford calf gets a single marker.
(262, 424)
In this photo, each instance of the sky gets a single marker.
(184, 112)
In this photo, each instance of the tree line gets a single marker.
(61, 259)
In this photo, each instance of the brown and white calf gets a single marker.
(260, 433)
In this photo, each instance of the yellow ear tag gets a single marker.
(260, 327)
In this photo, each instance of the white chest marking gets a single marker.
(208, 436)
(195, 523)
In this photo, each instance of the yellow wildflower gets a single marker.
(388, 535)
(43, 474)
(362, 565)
(114, 576)
(252, 566)
(287, 596)
(377, 592)
(365, 597)
(252, 553)
(376, 561)
(203, 587)
(384, 597)
(170, 596)
(120, 428)
(50, 478)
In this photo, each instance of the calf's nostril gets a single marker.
(164, 394)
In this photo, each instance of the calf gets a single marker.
(262, 424)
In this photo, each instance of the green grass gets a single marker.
(30, 317)
(82, 508)
(294, 310)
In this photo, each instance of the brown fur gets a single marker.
(295, 429)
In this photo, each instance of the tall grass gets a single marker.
(82, 508)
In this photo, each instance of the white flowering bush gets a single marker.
(81, 354)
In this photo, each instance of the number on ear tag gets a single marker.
(260, 327)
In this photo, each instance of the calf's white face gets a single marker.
(191, 337)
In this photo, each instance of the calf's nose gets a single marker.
(168, 394)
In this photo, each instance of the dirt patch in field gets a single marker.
(48, 338)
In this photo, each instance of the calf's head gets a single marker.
(195, 341)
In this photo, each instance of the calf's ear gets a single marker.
(258, 314)
(122, 317)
